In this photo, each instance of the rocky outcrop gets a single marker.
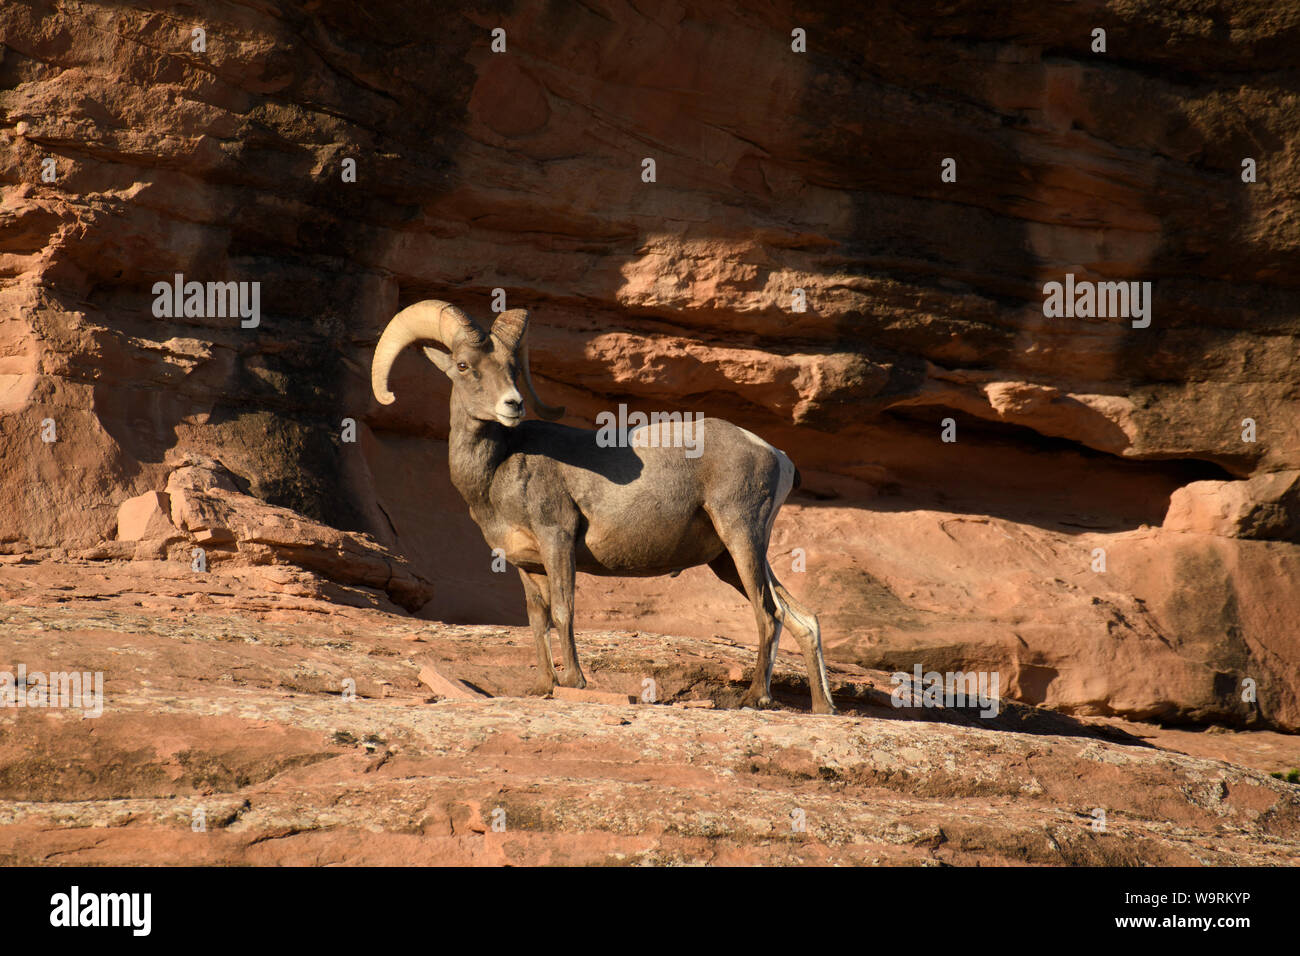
(230, 735)
(1264, 507)
(203, 516)
(776, 171)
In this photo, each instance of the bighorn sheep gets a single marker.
(556, 502)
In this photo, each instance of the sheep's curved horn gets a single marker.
(511, 330)
(430, 320)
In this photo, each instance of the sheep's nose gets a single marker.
(514, 404)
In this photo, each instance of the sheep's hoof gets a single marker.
(756, 699)
(826, 707)
(542, 688)
(576, 680)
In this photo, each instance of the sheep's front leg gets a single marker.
(557, 556)
(537, 596)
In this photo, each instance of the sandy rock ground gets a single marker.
(226, 696)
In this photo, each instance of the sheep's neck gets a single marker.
(476, 449)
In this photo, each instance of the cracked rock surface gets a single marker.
(228, 710)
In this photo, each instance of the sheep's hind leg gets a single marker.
(803, 624)
(537, 591)
(745, 570)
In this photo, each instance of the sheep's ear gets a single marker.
(438, 358)
(510, 328)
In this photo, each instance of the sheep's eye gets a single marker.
(462, 366)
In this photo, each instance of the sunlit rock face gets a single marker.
(781, 179)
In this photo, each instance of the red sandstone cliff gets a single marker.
(775, 171)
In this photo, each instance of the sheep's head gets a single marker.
(485, 368)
